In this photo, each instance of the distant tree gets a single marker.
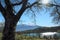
(55, 37)
(11, 15)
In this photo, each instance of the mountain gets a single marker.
(42, 29)
(21, 27)
(33, 28)
(24, 27)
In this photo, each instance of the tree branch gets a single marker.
(3, 11)
(18, 15)
(16, 4)
(57, 11)
(41, 4)
(9, 7)
(55, 5)
(32, 5)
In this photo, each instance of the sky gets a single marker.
(42, 19)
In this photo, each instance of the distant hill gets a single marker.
(21, 27)
(42, 29)
(31, 28)
(24, 27)
(48, 29)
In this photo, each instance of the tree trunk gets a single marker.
(9, 30)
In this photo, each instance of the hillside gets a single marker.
(42, 29)
(32, 28)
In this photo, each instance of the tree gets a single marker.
(55, 37)
(11, 18)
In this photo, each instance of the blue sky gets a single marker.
(1, 18)
(43, 19)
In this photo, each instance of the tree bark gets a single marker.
(9, 29)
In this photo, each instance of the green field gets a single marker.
(22, 37)
(0, 36)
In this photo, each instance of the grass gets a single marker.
(0, 36)
(22, 37)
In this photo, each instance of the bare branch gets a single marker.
(57, 11)
(18, 15)
(32, 5)
(17, 4)
(3, 11)
(9, 7)
(55, 5)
